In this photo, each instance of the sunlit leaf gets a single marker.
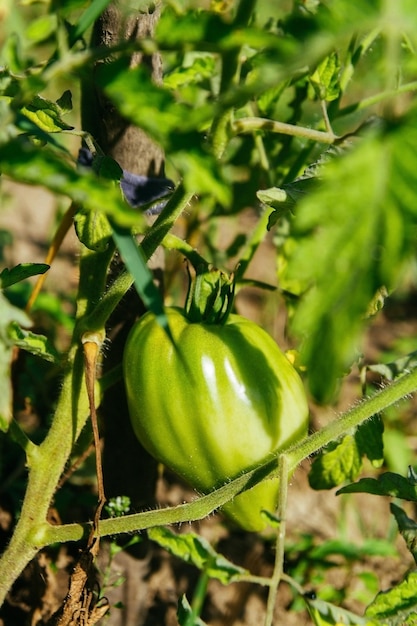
(397, 604)
(45, 114)
(38, 345)
(325, 78)
(338, 463)
(42, 28)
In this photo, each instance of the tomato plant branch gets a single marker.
(204, 505)
(47, 461)
(179, 200)
(172, 242)
(381, 400)
(251, 124)
(195, 510)
(280, 540)
(258, 235)
(377, 98)
(45, 471)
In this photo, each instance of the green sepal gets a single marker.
(210, 296)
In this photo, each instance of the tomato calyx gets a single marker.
(210, 295)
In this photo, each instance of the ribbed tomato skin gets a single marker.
(215, 401)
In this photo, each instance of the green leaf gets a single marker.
(202, 175)
(354, 236)
(37, 345)
(20, 272)
(399, 604)
(152, 107)
(351, 551)
(45, 114)
(388, 484)
(186, 615)
(42, 28)
(26, 163)
(180, 127)
(200, 68)
(407, 528)
(192, 28)
(65, 102)
(395, 368)
(93, 11)
(325, 614)
(195, 550)
(338, 463)
(135, 262)
(9, 314)
(325, 79)
(369, 438)
(93, 229)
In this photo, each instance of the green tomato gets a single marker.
(214, 402)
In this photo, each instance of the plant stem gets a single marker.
(280, 541)
(251, 124)
(172, 242)
(381, 400)
(106, 305)
(47, 462)
(377, 98)
(257, 237)
(44, 474)
(200, 508)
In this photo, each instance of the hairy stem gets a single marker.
(251, 124)
(387, 396)
(47, 461)
(203, 506)
(280, 541)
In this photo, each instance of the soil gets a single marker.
(143, 583)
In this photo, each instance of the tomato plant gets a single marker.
(288, 133)
(213, 400)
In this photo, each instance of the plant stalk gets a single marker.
(203, 506)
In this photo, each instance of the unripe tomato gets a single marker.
(213, 402)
